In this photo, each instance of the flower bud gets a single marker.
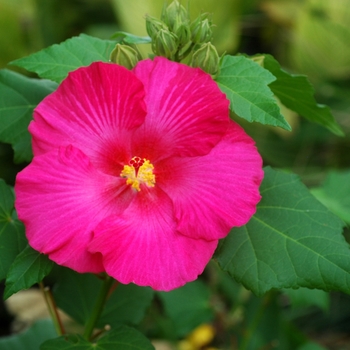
(124, 55)
(154, 25)
(201, 31)
(206, 58)
(185, 43)
(183, 34)
(165, 44)
(175, 15)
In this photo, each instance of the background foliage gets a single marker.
(310, 37)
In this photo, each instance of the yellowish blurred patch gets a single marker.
(317, 35)
(199, 338)
(18, 29)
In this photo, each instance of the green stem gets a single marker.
(51, 305)
(97, 310)
(255, 322)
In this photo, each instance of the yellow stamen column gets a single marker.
(138, 173)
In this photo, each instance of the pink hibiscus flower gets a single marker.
(137, 173)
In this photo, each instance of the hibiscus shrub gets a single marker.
(140, 177)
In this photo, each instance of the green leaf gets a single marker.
(304, 297)
(246, 85)
(29, 267)
(297, 94)
(311, 346)
(334, 193)
(188, 306)
(292, 241)
(127, 305)
(31, 339)
(76, 294)
(56, 61)
(19, 95)
(127, 38)
(121, 338)
(12, 238)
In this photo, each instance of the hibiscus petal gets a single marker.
(91, 109)
(187, 114)
(143, 247)
(60, 197)
(213, 193)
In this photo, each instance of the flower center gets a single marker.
(139, 171)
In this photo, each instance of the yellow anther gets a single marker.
(135, 176)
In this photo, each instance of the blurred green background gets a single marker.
(309, 37)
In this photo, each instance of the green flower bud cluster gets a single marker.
(171, 35)
(174, 36)
(124, 55)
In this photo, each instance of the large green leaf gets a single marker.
(31, 339)
(76, 294)
(29, 267)
(297, 94)
(12, 238)
(121, 338)
(292, 241)
(56, 61)
(18, 97)
(188, 306)
(246, 85)
(334, 193)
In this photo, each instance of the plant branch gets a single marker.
(52, 307)
(97, 310)
(255, 321)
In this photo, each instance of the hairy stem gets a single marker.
(51, 305)
(249, 333)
